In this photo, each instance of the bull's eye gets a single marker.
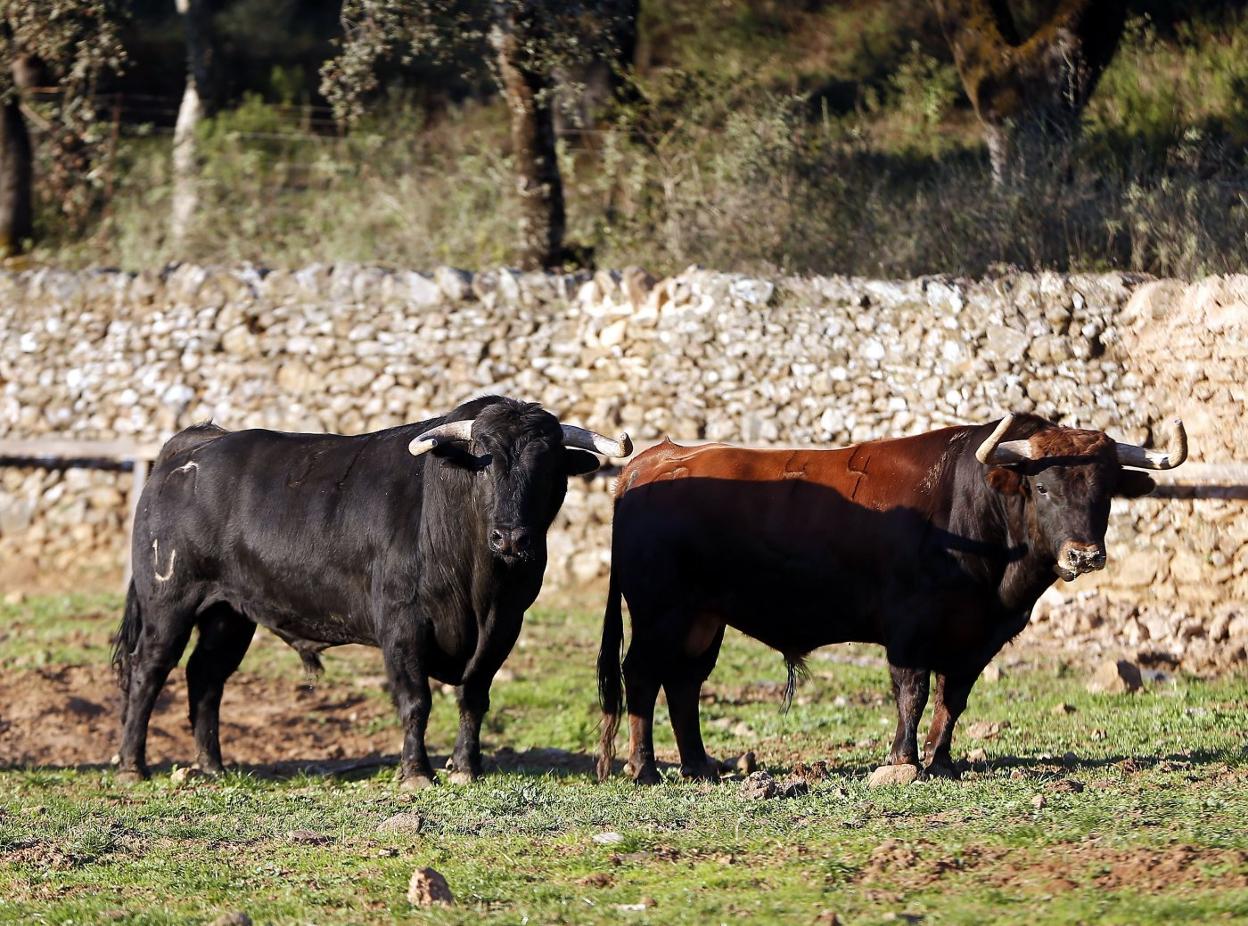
(1040, 487)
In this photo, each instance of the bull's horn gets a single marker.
(591, 440)
(996, 452)
(1176, 453)
(452, 430)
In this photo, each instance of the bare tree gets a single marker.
(527, 42)
(199, 100)
(64, 43)
(1029, 92)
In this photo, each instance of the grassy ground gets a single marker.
(1155, 835)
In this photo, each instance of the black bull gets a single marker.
(426, 540)
(935, 546)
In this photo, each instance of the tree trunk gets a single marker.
(527, 90)
(604, 77)
(1029, 94)
(197, 102)
(16, 171)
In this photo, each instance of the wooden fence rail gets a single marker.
(1190, 481)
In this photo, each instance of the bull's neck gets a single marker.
(1002, 553)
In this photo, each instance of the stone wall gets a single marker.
(832, 360)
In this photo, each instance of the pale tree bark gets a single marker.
(1029, 94)
(16, 166)
(528, 92)
(198, 99)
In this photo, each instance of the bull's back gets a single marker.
(795, 547)
(284, 526)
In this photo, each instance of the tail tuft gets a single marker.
(798, 673)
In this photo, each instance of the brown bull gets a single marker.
(934, 546)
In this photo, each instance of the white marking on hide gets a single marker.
(156, 562)
(187, 466)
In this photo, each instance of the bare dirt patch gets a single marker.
(1058, 868)
(68, 716)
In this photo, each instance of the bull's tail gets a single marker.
(125, 643)
(610, 677)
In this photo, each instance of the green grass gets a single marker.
(1157, 834)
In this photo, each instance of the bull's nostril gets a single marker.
(496, 539)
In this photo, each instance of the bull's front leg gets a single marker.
(410, 685)
(474, 701)
(910, 692)
(952, 692)
(498, 636)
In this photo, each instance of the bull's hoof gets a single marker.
(646, 775)
(707, 771)
(941, 769)
(463, 778)
(415, 783)
(132, 776)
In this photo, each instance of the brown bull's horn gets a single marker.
(452, 430)
(1176, 453)
(996, 452)
(592, 440)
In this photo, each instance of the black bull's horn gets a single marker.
(580, 438)
(997, 452)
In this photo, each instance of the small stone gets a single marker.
(759, 786)
(308, 837)
(887, 775)
(182, 774)
(985, 730)
(992, 673)
(608, 839)
(237, 918)
(793, 786)
(977, 755)
(746, 764)
(1061, 710)
(1116, 677)
(16, 598)
(1066, 786)
(1038, 801)
(405, 822)
(428, 888)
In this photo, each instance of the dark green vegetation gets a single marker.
(814, 137)
(1156, 834)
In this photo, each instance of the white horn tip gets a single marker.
(626, 445)
(419, 446)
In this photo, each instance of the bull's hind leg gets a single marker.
(641, 690)
(683, 685)
(910, 688)
(224, 636)
(161, 642)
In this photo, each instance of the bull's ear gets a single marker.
(579, 462)
(1005, 481)
(1132, 484)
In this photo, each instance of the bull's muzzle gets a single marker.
(1074, 559)
(510, 544)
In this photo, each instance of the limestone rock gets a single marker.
(889, 775)
(1116, 677)
(428, 888)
